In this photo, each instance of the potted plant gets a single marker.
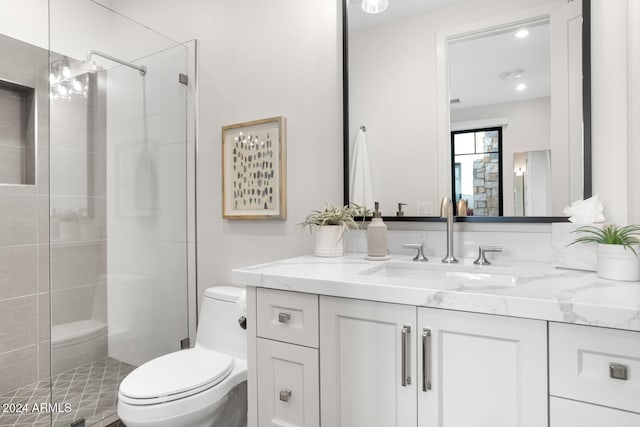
(331, 222)
(617, 250)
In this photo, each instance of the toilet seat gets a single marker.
(175, 376)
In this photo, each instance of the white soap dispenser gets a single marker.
(377, 237)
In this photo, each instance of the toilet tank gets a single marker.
(218, 327)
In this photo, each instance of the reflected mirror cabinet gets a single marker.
(486, 101)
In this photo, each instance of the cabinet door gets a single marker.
(569, 413)
(365, 347)
(484, 370)
(288, 385)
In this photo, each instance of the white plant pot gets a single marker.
(329, 241)
(617, 263)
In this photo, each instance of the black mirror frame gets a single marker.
(586, 121)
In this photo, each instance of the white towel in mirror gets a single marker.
(361, 182)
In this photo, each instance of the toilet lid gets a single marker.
(176, 375)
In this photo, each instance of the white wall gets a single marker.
(260, 59)
(633, 144)
(611, 29)
(26, 20)
(78, 26)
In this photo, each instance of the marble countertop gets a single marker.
(536, 290)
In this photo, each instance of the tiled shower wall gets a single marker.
(78, 219)
(24, 236)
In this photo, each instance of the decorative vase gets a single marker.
(329, 242)
(615, 262)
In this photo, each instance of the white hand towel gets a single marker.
(361, 181)
(585, 211)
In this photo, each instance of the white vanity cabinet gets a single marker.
(326, 361)
(367, 363)
(286, 359)
(467, 369)
(481, 370)
(594, 376)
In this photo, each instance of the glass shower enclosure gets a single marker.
(118, 208)
(97, 196)
(97, 239)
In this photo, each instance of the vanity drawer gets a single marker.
(569, 413)
(288, 385)
(288, 316)
(590, 364)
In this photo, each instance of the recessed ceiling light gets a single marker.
(522, 33)
(521, 86)
(511, 74)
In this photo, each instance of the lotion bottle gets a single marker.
(377, 235)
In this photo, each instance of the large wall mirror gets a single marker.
(487, 101)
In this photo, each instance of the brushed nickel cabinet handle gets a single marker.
(426, 351)
(285, 395)
(406, 355)
(284, 317)
(618, 371)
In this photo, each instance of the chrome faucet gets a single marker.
(446, 211)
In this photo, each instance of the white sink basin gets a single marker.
(443, 276)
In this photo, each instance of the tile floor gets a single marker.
(89, 391)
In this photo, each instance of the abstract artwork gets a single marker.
(253, 169)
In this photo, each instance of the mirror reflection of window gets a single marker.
(477, 170)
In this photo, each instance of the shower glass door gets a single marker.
(119, 238)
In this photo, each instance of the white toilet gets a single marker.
(204, 386)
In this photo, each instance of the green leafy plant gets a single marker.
(332, 215)
(626, 236)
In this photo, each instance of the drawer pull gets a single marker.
(405, 351)
(285, 395)
(426, 354)
(284, 317)
(618, 371)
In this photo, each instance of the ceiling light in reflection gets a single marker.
(522, 33)
(374, 6)
(521, 87)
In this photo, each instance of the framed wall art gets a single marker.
(254, 170)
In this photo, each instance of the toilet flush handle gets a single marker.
(242, 321)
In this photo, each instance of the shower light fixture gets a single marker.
(62, 84)
(521, 87)
(374, 6)
(65, 70)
